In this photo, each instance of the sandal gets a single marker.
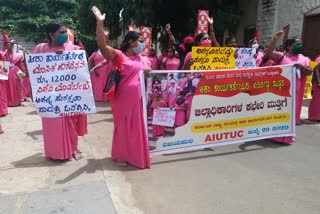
(77, 155)
(121, 163)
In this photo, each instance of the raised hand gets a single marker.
(98, 15)
(278, 34)
(210, 20)
(168, 28)
(106, 33)
(286, 28)
(146, 70)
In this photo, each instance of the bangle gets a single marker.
(99, 33)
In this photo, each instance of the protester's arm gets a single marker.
(108, 52)
(98, 65)
(168, 30)
(211, 32)
(270, 49)
(188, 61)
(23, 49)
(286, 34)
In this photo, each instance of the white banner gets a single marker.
(227, 107)
(61, 84)
(164, 117)
(4, 70)
(245, 58)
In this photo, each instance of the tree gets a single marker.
(28, 18)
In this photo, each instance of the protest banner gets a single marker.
(163, 117)
(4, 70)
(228, 107)
(60, 84)
(202, 26)
(213, 58)
(245, 58)
(147, 34)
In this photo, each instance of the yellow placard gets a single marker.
(213, 58)
(240, 123)
(308, 87)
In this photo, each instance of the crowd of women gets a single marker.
(17, 88)
(130, 143)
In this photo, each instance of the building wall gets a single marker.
(274, 14)
(27, 45)
(248, 19)
(266, 19)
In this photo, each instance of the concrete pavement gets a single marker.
(29, 183)
(256, 177)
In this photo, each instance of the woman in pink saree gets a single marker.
(171, 62)
(13, 89)
(129, 143)
(100, 68)
(314, 106)
(3, 91)
(60, 134)
(181, 108)
(292, 56)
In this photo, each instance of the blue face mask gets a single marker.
(137, 50)
(61, 39)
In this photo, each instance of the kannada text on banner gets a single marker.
(163, 117)
(4, 70)
(245, 58)
(225, 107)
(61, 84)
(213, 58)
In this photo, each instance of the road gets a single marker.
(255, 177)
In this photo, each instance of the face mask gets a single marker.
(297, 49)
(170, 54)
(179, 97)
(206, 43)
(255, 46)
(137, 50)
(61, 39)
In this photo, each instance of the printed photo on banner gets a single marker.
(4, 70)
(213, 58)
(214, 108)
(169, 99)
(61, 84)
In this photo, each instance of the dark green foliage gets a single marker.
(29, 17)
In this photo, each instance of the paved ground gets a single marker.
(257, 177)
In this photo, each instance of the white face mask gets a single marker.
(137, 50)
(256, 46)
